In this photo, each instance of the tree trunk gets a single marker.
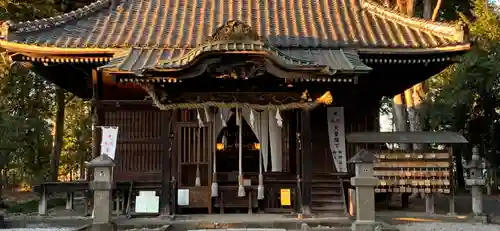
(418, 95)
(427, 9)
(59, 133)
(399, 116)
(459, 174)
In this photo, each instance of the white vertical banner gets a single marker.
(336, 133)
(108, 141)
(275, 140)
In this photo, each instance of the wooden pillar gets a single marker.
(168, 118)
(306, 162)
(96, 134)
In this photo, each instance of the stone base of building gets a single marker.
(99, 227)
(363, 226)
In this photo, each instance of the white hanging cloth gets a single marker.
(108, 141)
(251, 119)
(276, 141)
(209, 114)
(264, 138)
(200, 120)
(223, 115)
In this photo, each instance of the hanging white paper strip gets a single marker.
(108, 141)
(336, 133)
(279, 119)
(252, 118)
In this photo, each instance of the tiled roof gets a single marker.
(285, 23)
(140, 59)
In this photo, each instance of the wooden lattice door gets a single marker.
(194, 151)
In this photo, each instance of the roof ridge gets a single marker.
(39, 24)
(455, 32)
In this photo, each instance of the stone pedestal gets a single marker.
(364, 183)
(42, 203)
(70, 198)
(476, 182)
(102, 185)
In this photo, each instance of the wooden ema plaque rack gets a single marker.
(413, 172)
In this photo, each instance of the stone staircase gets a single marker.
(328, 195)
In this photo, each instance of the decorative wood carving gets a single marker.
(234, 30)
(238, 69)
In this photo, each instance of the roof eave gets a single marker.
(416, 51)
(47, 50)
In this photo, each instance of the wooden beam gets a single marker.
(306, 162)
(168, 118)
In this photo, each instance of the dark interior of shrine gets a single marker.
(227, 152)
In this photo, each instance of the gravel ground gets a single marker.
(447, 227)
(41, 229)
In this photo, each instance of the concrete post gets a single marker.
(102, 185)
(476, 182)
(42, 203)
(364, 183)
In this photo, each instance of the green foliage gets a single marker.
(77, 135)
(28, 107)
(466, 97)
(25, 107)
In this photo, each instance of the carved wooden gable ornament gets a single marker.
(235, 30)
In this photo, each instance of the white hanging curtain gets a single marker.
(256, 126)
(220, 121)
(276, 141)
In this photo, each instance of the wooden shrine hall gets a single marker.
(233, 105)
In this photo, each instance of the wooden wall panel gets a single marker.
(139, 146)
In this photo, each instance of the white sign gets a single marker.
(108, 141)
(147, 202)
(336, 133)
(183, 197)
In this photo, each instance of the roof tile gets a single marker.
(285, 23)
(139, 59)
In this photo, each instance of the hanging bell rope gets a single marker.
(241, 188)
(260, 188)
(215, 185)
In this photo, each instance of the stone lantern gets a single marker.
(476, 182)
(364, 183)
(102, 185)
